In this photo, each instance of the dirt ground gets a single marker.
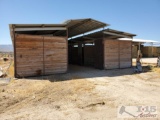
(81, 94)
(147, 61)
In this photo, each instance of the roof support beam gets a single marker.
(40, 29)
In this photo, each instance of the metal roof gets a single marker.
(144, 41)
(80, 26)
(140, 40)
(38, 29)
(37, 25)
(120, 32)
(109, 33)
(74, 26)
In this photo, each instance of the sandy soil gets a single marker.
(81, 94)
(146, 61)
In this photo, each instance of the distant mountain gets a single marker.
(6, 48)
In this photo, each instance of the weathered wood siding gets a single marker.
(55, 55)
(149, 51)
(111, 54)
(38, 55)
(125, 54)
(117, 54)
(134, 51)
(29, 55)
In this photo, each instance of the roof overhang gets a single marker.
(107, 33)
(81, 26)
(118, 34)
(141, 41)
(38, 29)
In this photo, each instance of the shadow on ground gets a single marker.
(81, 72)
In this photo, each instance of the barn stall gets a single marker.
(102, 50)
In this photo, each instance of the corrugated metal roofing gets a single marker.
(38, 29)
(80, 26)
(140, 40)
(120, 32)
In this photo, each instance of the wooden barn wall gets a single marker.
(125, 54)
(147, 52)
(134, 51)
(158, 51)
(89, 55)
(29, 55)
(111, 54)
(38, 55)
(117, 54)
(55, 55)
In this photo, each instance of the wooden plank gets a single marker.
(111, 54)
(112, 66)
(55, 64)
(23, 36)
(29, 52)
(55, 55)
(29, 55)
(27, 74)
(125, 54)
(63, 68)
(54, 59)
(54, 38)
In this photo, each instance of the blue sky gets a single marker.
(141, 17)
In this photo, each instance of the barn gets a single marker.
(44, 49)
